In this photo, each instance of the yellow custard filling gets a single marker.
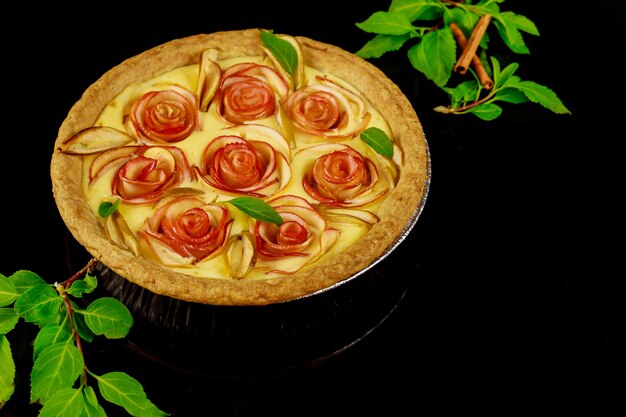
(301, 152)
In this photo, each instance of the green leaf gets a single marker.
(502, 78)
(79, 287)
(487, 111)
(57, 367)
(68, 402)
(511, 36)
(91, 281)
(464, 18)
(125, 391)
(387, 23)
(378, 140)
(540, 94)
(39, 304)
(92, 407)
(7, 371)
(282, 50)
(8, 292)
(464, 92)
(81, 327)
(257, 209)
(107, 208)
(490, 6)
(520, 22)
(377, 46)
(435, 56)
(109, 317)
(50, 334)
(418, 9)
(8, 320)
(510, 95)
(25, 280)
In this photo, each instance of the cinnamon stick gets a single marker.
(463, 63)
(483, 77)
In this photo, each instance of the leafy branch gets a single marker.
(60, 378)
(430, 24)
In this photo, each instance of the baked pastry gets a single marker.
(240, 168)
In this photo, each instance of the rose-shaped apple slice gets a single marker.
(337, 175)
(143, 173)
(186, 230)
(301, 238)
(164, 116)
(249, 92)
(327, 109)
(257, 165)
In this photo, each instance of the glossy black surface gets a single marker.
(512, 303)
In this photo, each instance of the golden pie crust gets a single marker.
(398, 210)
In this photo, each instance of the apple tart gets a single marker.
(240, 168)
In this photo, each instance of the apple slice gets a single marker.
(95, 139)
(348, 215)
(118, 232)
(208, 78)
(240, 255)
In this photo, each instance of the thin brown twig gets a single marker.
(70, 311)
(80, 273)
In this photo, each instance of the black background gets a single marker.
(517, 302)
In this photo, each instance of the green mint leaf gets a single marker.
(68, 402)
(86, 285)
(282, 50)
(377, 46)
(464, 18)
(464, 92)
(125, 391)
(107, 208)
(511, 36)
(7, 371)
(486, 111)
(540, 94)
(109, 317)
(502, 78)
(8, 292)
(8, 320)
(92, 407)
(490, 6)
(387, 23)
(257, 209)
(520, 22)
(378, 140)
(24, 280)
(39, 304)
(440, 44)
(57, 367)
(49, 335)
(418, 9)
(510, 95)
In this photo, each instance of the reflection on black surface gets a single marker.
(256, 340)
